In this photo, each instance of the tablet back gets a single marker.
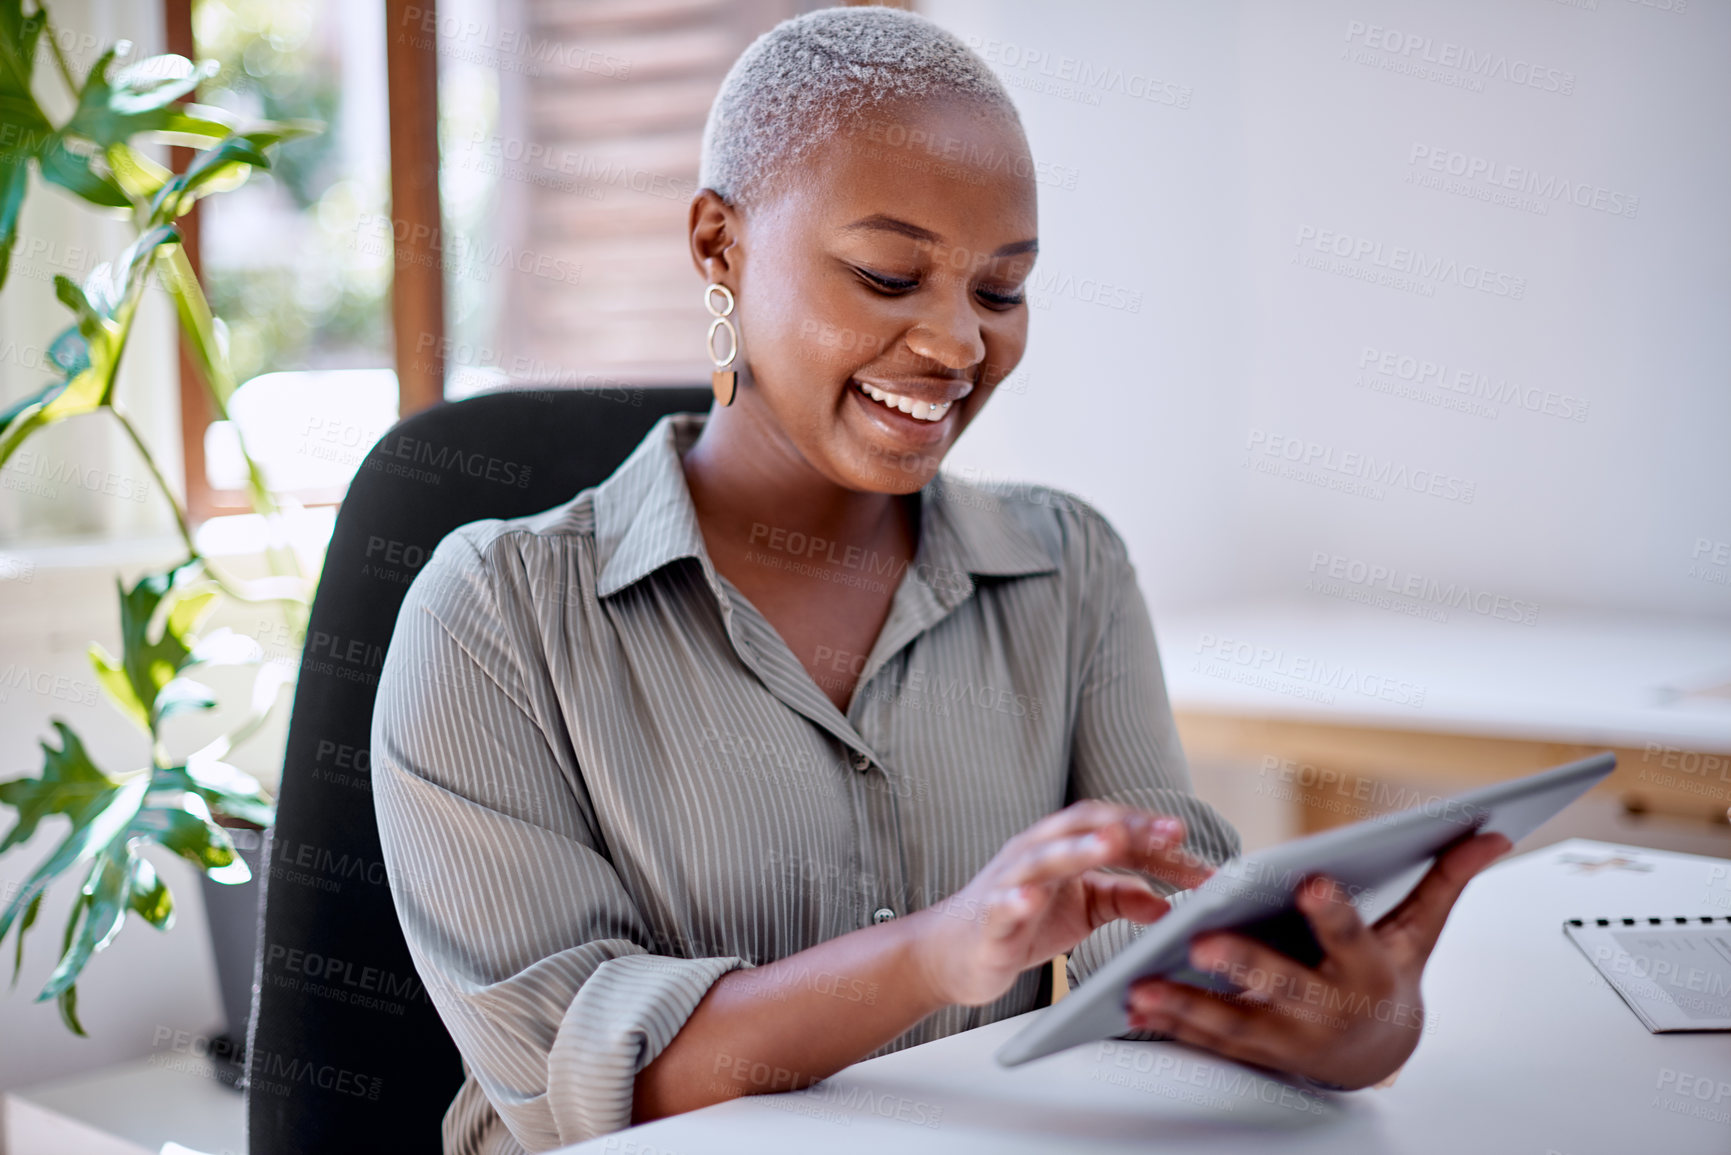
(1378, 861)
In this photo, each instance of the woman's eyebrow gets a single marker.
(891, 224)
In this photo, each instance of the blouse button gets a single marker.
(882, 914)
(862, 763)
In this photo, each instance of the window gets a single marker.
(296, 261)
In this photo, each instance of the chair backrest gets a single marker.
(346, 1052)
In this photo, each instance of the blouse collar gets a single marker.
(645, 519)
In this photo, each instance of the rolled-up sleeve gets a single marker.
(529, 944)
(1126, 747)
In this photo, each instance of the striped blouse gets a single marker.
(603, 780)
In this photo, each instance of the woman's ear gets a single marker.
(715, 233)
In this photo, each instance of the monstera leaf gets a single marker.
(111, 817)
(14, 179)
(88, 352)
(173, 806)
(141, 98)
(156, 615)
(100, 808)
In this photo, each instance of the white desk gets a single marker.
(1365, 694)
(1593, 679)
(1527, 1051)
(127, 1109)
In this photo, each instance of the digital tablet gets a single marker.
(1378, 861)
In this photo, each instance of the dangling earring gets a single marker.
(725, 379)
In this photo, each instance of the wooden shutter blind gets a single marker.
(619, 110)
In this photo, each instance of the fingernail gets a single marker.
(1167, 827)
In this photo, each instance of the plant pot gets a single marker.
(233, 912)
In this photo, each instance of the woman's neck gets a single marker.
(748, 483)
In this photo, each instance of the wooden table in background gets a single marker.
(1339, 703)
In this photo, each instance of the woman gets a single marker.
(778, 749)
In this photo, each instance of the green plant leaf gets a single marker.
(89, 379)
(157, 616)
(139, 99)
(196, 323)
(187, 611)
(72, 172)
(28, 404)
(223, 647)
(56, 402)
(116, 286)
(85, 391)
(111, 676)
(71, 294)
(225, 165)
(180, 695)
(24, 925)
(14, 179)
(113, 284)
(68, 1003)
(149, 896)
(18, 35)
(188, 831)
(68, 1000)
(30, 128)
(152, 83)
(222, 167)
(193, 126)
(225, 789)
(152, 650)
(106, 895)
(98, 805)
(111, 113)
(70, 352)
(137, 175)
(70, 784)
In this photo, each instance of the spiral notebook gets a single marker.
(1675, 973)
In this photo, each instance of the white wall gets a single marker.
(1266, 119)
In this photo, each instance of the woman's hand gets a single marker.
(1044, 891)
(1354, 1018)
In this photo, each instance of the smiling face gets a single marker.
(880, 291)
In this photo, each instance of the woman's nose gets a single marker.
(949, 332)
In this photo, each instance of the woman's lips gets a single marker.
(905, 426)
(918, 403)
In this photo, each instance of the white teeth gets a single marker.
(924, 410)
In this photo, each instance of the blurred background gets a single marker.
(1392, 337)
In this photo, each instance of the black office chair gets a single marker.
(345, 1052)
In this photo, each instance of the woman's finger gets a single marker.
(1145, 827)
(1012, 907)
(1242, 1031)
(1418, 921)
(1170, 861)
(1258, 968)
(1114, 896)
(1065, 858)
(1352, 956)
(1078, 818)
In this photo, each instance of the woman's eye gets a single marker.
(886, 284)
(1002, 300)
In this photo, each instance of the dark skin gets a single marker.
(872, 265)
(797, 451)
